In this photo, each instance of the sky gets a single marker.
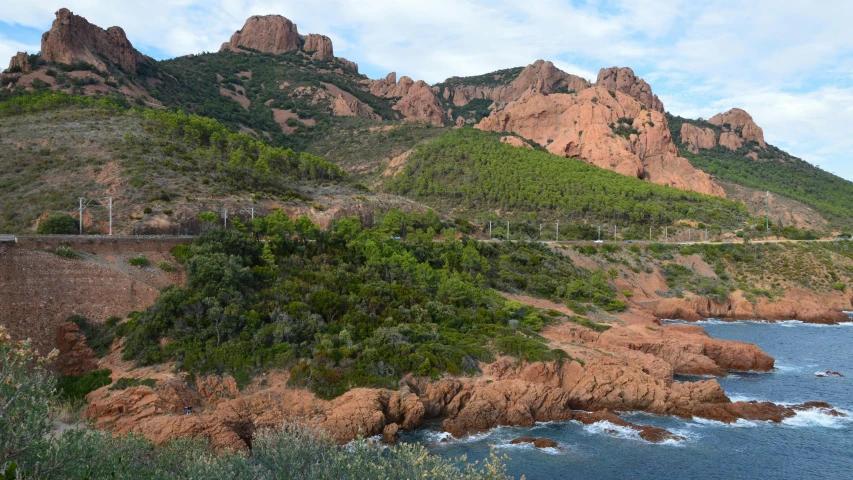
(788, 63)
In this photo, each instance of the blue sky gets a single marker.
(788, 63)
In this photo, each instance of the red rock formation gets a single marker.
(582, 126)
(266, 33)
(731, 141)
(75, 357)
(736, 307)
(420, 105)
(537, 442)
(742, 123)
(73, 39)
(22, 61)
(541, 76)
(321, 45)
(697, 138)
(623, 80)
(514, 141)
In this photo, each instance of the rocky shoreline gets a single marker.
(627, 368)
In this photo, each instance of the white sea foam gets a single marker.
(607, 428)
(816, 417)
(529, 446)
(740, 423)
(435, 437)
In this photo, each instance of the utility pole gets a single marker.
(84, 203)
(225, 217)
(767, 221)
(599, 232)
(614, 232)
(81, 215)
(507, 230)
(558, 231)
(665, 234)
(650, 233)
(490, 230)
(111, 215)
(540, 232)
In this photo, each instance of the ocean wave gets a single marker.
(740, 423)
(603, 427)
(562, 450)
(816, 417)
(780, 323)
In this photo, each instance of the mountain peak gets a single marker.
(624, 80)
(73, 39)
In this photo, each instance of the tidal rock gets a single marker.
(623, 80)
(829, 373)
(73, 39)
(391, 433)
(537, 442)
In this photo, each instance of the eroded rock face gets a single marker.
(730, 140)
(584, 125)
(623, 80)
(73, 39)
(321, 45)
(75, 357)
(22, 61)
(742, 124)
(737, 307)
(266, 33)
(697, 137)
(540, 76)
(421, 105)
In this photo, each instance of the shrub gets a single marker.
(58, 223)
(98, 337)
(124, 382)
(76, 388)
(166, 266)
(140, 262)
(147, 210)
(67, 252)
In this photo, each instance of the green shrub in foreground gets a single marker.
(139, 262)
(76, 388)
(67, 252)
(29, 450)
(58, 223)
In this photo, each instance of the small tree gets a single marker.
(58, 223)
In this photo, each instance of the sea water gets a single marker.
(810, 445)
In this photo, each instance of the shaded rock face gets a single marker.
(22, 61)
(321, 45)
(540, 76)
(266, 33)
(417, 100)
(73, 39)
(696, 138)
(741, 124)
(584, 126)
(623, 80)
(75, 357)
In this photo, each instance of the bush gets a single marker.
(124, 382)
(140, 262)
(58, 223)
(147, 210)
(67, 252)
(166, 266)
(76, 388)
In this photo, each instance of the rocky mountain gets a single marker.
(731, 130)
(72, 39)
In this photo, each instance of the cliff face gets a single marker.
(417, 100)
(623, 80)
(607, 128)
(21, 61)
(266, 33)
(736, 128)
(73, 39)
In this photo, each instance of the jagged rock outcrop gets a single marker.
(321, 45)
(730, 140)
(742, 124)
(266, 33)
(623, 80)
(540, 76)
(737, 307)
(421, 105)
(21, 61)
(591, 125)
(697, 138)
(75, 357)
(73, 39)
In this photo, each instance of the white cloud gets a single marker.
(789, 63)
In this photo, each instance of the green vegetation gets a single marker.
(98, 337)
(775, 171)
(140, 262)
(67, 252)
(355, 307)
(163, 156)
(58, 223)
(76, 388)
(166, 266)
(32, 447)
(125, 382)
(472, 171)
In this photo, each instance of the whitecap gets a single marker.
(740, 423)
(562, 450)
(816, 417)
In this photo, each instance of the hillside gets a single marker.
(472, 174)
(161, 168)
(747, 163)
